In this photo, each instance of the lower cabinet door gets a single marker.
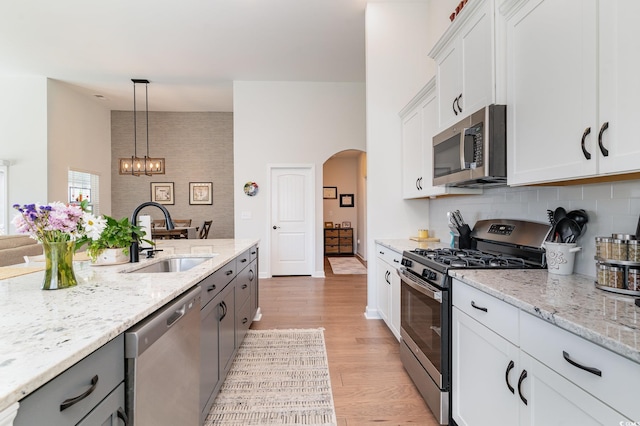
(554, 400)
(484, 367)
(110, 412)
(209, 372)
(227, 329)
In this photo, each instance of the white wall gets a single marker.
(79, 138)
(23, 138)
(46, 128)
(397, 67)
(289, 123)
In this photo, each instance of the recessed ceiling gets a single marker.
(190, 50)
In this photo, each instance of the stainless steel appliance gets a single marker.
(162, 365)
(425, 291)
(473, 152)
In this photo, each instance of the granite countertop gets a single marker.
(43, 333)
(401, 245)
(571, 302)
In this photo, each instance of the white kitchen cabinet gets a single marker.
(388, 287)
(419, 125)
(466, 64)
(571, 89)
(554, 400)
(484, 358)
(483, 366)
(509, 367)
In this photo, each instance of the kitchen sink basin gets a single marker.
(172, 264)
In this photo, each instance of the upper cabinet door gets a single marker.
(619, 86)
(465, 59)
(551, 90)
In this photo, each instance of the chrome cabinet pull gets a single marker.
(586, 153)
(506, 376)
(480, 308)
(591, 370)
(603, 150)
(71, 401)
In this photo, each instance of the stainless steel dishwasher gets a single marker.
(162, 365)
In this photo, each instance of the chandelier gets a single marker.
(146, 165)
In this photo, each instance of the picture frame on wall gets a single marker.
(200, 193)
(329, 192)
(162, 193)
(346, 200)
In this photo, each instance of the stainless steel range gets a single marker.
(425, 313)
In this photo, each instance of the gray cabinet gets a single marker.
(228, 298)
(89, 393)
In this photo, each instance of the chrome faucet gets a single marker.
(134, 250)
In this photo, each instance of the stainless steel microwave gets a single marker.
(473, 152)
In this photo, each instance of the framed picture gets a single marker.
(162, 192)
(346, 224)
(328, 224)
(337, 225)
(330, 192)
(200, 193)
(346, 200)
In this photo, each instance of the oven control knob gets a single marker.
(406, 262)
(428, 274)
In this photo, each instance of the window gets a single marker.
(85, 186)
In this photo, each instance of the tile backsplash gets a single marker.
(612, 208)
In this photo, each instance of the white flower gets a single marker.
(93, 226)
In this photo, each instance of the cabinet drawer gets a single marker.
(214, 283)
(243, 322)
(495, 314)
(331, 249)
(618, 384)
(347, 233)
(43, 407)
(346, 240)
(243, 287)
(243, 260)
(253, 253)
(331, 233)
(332, 241)
(392, 257)
(108, 412)
(346, 249)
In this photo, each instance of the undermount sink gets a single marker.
(172, 264)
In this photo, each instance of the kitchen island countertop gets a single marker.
(571, 302)
(43, 333)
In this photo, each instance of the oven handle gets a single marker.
(424, 288)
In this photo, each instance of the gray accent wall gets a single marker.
(197, 147)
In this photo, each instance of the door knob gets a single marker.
(276, 227)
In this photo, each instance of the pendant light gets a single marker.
(146, 165)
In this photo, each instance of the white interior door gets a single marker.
(292, 219)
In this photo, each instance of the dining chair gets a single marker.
(204, 232)
(159, 223)
(182, 223)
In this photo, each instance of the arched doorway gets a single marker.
(344, 197)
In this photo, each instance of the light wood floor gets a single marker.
(370, 386)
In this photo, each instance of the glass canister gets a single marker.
(618, 249)
(633, 250)
(603, 247)
(616, 277)
(633, 279)
(602, 274)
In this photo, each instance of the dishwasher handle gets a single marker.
(142, 335)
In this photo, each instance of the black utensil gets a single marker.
(580, 216)
(568, 229)
(559, 213)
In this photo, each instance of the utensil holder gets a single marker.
(464, 238)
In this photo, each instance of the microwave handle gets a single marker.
(463, 163)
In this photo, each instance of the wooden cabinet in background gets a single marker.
(338, 241)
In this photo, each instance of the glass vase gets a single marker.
(59, 265)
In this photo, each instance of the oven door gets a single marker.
(424, 323)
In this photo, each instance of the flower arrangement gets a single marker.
(61, 229)
(58, 222)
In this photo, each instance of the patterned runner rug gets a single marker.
(279, 377)
(346, 265)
